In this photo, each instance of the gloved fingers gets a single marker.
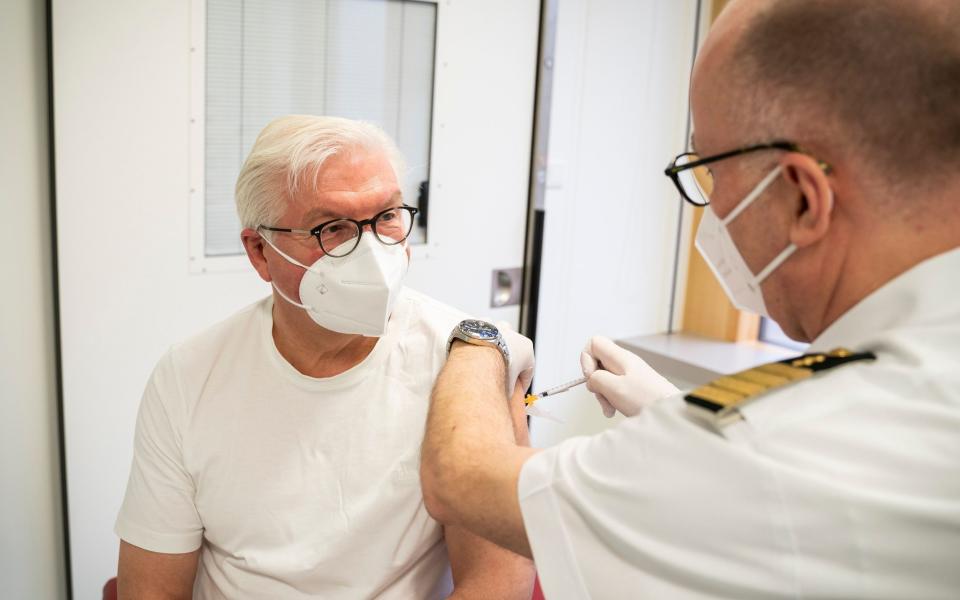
(605, 406)
(525, 379)
(604, 383)
(514, 339)
(588, 364)
(613, 358)
(522, 358)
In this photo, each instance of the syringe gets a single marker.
(531, 398)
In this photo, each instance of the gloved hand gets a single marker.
(621, 380)
(521, 358)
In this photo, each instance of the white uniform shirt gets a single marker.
(295, 487)
(846, 485)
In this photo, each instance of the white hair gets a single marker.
(290, 152)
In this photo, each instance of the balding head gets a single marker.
(875, 79)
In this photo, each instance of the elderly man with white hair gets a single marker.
(277, 452)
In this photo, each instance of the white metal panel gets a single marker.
(619, 114)
(122, 102)
(482, 132)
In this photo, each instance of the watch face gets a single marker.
(479, 330)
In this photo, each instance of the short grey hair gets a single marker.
(289, 154)
(880, 77)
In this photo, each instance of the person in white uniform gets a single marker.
(827, 139)
(277, 452)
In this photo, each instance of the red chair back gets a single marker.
(537, 592)
(110, 589)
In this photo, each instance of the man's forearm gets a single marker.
(470, 458)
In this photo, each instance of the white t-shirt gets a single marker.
(846, 485)
(295, 487)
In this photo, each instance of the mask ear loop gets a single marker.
(752, 196)
(287, 298)
(288, 258)
(291, 260)
(787, 252)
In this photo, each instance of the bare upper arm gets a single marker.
(492, 508)
(146, 575)
(472, 453)
(482, 569)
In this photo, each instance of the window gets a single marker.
(361, 59)
(771, 333)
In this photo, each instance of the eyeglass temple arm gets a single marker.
(673, 169)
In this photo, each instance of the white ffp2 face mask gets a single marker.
(717, 248)
(352, 294)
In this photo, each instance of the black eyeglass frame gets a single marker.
(372, 222)
(673, 170)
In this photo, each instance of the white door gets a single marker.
(125, 90)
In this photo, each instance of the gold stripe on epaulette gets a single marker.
(765, 379)
(747, 388)
(723, 398)
(782, 370)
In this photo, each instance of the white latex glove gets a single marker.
(521, 358)
(621, 380)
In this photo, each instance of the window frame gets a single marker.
(199, 261)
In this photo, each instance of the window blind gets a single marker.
(361, 59)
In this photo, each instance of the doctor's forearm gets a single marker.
(470, 457)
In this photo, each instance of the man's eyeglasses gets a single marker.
(340, 237)
(694, 179)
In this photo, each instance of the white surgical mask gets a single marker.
(718, 249)
(352, 294)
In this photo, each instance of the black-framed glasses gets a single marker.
(694, 179)
(340, 237)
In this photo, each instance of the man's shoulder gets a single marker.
(888, 391)
(426, 312)
(186, 367)
(201, 350)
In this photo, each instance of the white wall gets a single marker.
(618, 116)
(31, 544)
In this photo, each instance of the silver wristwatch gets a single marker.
(479, 333)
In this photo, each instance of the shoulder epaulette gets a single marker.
(721, 399)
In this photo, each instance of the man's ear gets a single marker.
(815, 210)
(254, 245)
